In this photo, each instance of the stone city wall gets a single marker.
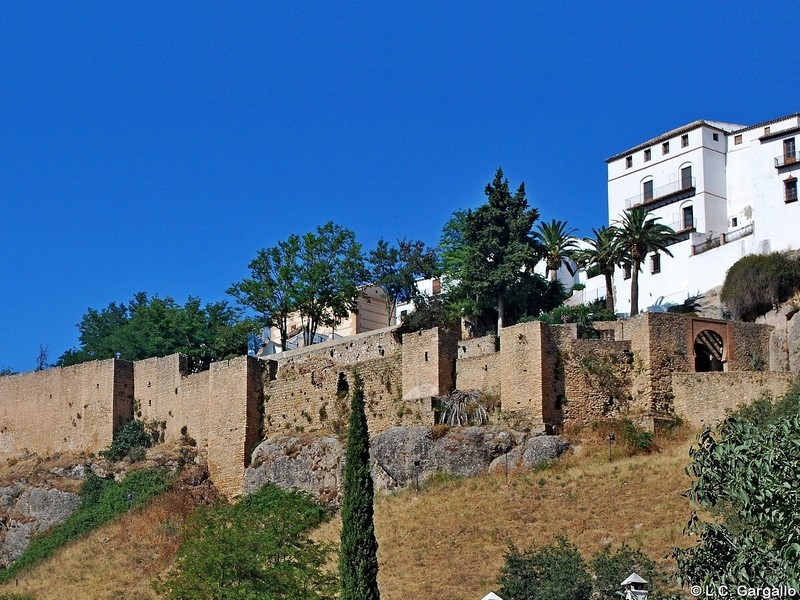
(750, 346)
(597, 380)
(704, 398)
(72, 409)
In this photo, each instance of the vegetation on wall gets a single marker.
(489, 253)
(747, 477)
(755, 285)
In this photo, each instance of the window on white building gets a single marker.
(767, 130)
(734, 222)
(715, 136)
(628, 162)
(655, 263)
(626, 271)
(665, 148)
(647, 155)
(790, 190)
(686, 177)
(688, 217)
(684, 140)
(737, 139)
(647, 190)
(789, 155)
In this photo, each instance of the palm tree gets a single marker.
(558, 246)
(604, 254)
(638, 234)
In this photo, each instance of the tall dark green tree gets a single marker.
(492, 249)
(358, 553)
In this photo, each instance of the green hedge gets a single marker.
(756, 284)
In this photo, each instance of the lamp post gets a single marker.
(611, 438)
(416, 475)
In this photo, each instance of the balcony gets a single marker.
(724, 238)
(682, 229)
(787, 159)
(663, 195)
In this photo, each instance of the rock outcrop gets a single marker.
(400, 457)
(784, 341)
(25, 511)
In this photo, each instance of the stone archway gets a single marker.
(709, 352)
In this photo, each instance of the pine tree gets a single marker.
(358, 554)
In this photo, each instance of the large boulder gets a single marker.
(535, 451)
(401, 454)
(312, 464)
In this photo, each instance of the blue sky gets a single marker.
(157, 146)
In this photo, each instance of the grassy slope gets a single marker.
(447, 543)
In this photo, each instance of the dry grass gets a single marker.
(118, 560)
(447, 543)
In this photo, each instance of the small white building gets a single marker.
(728, 190)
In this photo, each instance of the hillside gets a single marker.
(446, 543)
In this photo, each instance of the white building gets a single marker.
(728, 190)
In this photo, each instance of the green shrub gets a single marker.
(131, 437)
(756, 284)
(637, 440)
(257, 548)
(554, 572)
(101, 501)
(612, 568)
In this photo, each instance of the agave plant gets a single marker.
(463, 408)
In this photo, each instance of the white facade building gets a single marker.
(728, 190)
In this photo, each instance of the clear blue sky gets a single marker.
(157, 146)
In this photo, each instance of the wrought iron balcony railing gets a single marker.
(787, 158)
(677, 188)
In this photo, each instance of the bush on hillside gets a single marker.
(257, 548)
(759, 283)
(555, 572)
(611, 568)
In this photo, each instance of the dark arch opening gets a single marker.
(708, 352)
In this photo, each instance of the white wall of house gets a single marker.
(738, 191)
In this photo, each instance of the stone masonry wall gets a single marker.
(704, 398)
(166, 393)
(597, 378)
(64, 409)
(478, 365)
(526, 376)
(751, 349)
(428, 363)
(233, 420)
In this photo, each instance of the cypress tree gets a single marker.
(358, 553)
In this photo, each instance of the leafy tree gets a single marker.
(559, 246)
(395, 270)
(555, 572)
(331, 273)
(747, 476)
(639, 234)
(603, 254)
(316, 276)
(257, 548)
(491, 250)
(147, 327)
(6, 371)
(756, 284)
(612, 568)
(358, 553)
(273, 288)
(427, 313)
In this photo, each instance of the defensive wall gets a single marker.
(547, 377)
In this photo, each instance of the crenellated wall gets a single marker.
(546, 376)
(65, 409)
